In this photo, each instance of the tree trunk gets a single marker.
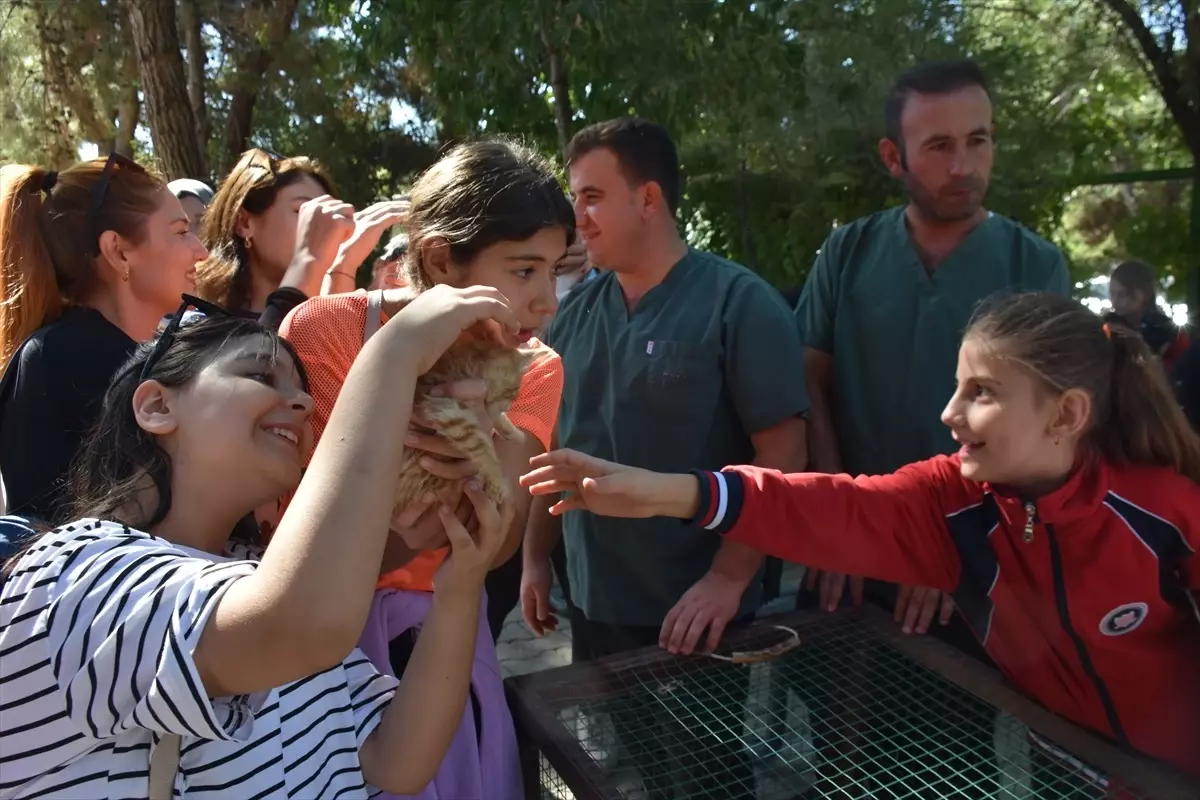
(64, 80)
(561, 86)
(197, 60)
(250, 67)
(127, 120)
(160, 67)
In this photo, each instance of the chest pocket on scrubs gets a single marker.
(677, 389)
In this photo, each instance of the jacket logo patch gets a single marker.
(1123, 619)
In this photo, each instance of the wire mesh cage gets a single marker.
(857, 710)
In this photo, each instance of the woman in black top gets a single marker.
(90, 260)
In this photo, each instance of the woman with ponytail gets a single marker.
(91, 259)
(1066, 527)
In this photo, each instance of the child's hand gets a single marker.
(609, 489)
(473, 546)
(436, 318)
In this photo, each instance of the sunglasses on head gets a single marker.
(264, 158)
(100, 190)
(203, 308)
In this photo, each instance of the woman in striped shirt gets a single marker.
(144, 621)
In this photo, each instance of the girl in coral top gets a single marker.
(1066, 526)
(487, 214)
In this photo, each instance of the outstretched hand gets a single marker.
(609, 489)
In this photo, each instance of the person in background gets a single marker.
(575, 269)
(91, 258)
(258, 260)
(1067, 524)
(388, 270)
(144, 627)
(194, 196)
(671, 357)
(889, 296)
(1133, 292)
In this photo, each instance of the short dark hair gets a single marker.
(643, 149)
(930, 77)
(1137, 276)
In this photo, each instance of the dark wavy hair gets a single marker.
(479, 194)
(119, 460)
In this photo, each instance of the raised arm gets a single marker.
(305, 606)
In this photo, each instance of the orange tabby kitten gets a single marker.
(501, 368)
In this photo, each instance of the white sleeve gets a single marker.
(370, 693)
(124, 616)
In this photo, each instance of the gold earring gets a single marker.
(125, 277)
(249, 243)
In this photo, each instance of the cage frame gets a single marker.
(540, 730)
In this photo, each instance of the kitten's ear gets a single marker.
(527, 356)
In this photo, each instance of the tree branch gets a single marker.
(250, 67)
(1170, 85)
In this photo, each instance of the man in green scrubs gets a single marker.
(889, 296)
(673, 359)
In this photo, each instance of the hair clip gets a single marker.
(49, 180)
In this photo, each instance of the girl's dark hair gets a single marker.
(479, 194)
(1137, 276)
(251, 186)
(1135, 418)
(119, 460)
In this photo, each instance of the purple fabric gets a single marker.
(479, 765)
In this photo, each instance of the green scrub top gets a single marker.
(705, 359)
(893, 327)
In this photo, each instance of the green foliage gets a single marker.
(776, 104)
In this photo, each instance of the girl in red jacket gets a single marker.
(1066, 526)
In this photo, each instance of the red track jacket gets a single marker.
(1081, 598)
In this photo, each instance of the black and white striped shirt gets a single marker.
(98, 624)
